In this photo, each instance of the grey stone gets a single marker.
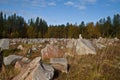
(11, 59)
(60, 64)
(4, 43)
(84, 46)
(36, 70)
(100, 46)
(29, 53)
(80, 47)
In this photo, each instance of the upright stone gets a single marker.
(4, 43)
(80, 37)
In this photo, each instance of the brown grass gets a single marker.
(103, 66)
(9, 73)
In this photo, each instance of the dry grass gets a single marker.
(103, 66)
(9, 73)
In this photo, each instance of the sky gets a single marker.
(57, 12)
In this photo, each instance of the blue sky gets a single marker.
(62, 11)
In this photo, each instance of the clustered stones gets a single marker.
(55, 50)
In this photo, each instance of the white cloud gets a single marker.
(91, 1)
(81, 7)
(40, 3)
(80, 4)
(52, 4)
(69, 3)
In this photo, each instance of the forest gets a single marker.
(14, 26)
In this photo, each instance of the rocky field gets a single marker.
(60, 59)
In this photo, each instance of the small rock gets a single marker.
(25, 60)
(34, 48)
(29, 53)
(18, 65)
(20, 47)
(80, 37)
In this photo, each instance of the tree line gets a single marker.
(15, 26)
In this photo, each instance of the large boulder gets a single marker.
(71, 47)
(80, 47)
(60, 64)
(51, 51)
(4, 43)
(11, 59)
(84, 46)
(21, 63)
(36, 70)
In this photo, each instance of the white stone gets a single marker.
(20, 47)
(80, 37)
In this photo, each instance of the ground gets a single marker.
(105, 65)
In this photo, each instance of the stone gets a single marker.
(34, 48)
(71, 48)
(80, 47)
(18, 65)
(20, 47)
(36, 70)
(100, 46)
(80, 37)
(21, 63)
(116, 39)
(101, 42)
(84, 46)
(25, 60)
(40, 46)
(60, 64)
(29, 53)
(51, 51)
(11, 59)
(4, 43)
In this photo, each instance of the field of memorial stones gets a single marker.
(60, 59)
